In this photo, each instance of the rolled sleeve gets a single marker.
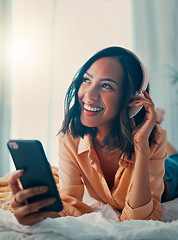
(137, 213)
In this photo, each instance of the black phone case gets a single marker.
(30, 156)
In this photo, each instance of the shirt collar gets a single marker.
(85, 144)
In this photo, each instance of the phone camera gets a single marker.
(13, 145)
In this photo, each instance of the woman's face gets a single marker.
(100, 93)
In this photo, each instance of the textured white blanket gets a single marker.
(94, 226)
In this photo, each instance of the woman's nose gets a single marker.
(92, 93)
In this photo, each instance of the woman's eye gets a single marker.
(86, 80)
(107, 86)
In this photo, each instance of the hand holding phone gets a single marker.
(30, 156)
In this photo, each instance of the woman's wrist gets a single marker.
(142, 154)
(142, 149)
(140, 192)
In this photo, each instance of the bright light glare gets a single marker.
(20, 50)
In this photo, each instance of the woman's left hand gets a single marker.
(143, 130)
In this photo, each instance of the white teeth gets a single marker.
(92, 109)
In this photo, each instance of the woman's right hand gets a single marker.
(28, 214)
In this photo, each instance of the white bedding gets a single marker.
(99, 225)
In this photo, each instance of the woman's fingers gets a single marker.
(148, 96)
(31, 218)
(21, 196)
(149, 107)
(29, 214)
(13, 181)
(36, 217)
(145, 101)
(144, 97)
(33, 207)
(140, 103)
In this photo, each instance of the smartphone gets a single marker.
(29, 155)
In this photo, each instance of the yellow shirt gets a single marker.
(79, 166)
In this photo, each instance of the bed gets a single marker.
(102, 224)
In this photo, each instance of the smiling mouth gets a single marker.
(92, 109)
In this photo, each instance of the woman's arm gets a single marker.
(141, 192)
(153, 209)
(143, 200)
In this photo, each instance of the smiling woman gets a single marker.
(118, 158)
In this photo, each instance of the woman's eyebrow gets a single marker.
(103, 79)
(108, 80)
(88, 74)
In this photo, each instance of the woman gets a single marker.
(120, 159)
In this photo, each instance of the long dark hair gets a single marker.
(121, 136)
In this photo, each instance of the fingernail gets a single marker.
(20, 171)
(51, 200)
(43, 188)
